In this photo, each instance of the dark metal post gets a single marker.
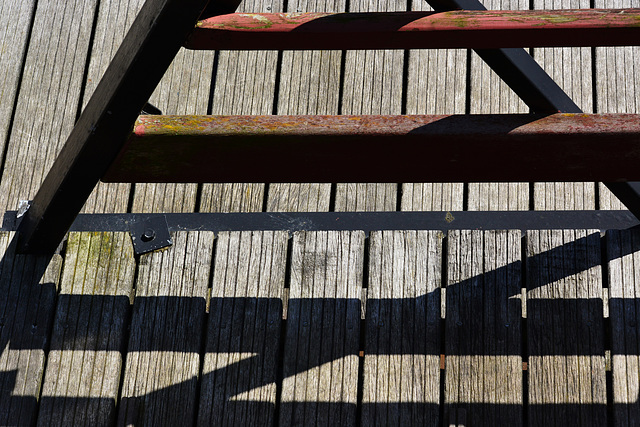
(144, 56)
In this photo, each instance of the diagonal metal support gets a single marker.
(536, 88)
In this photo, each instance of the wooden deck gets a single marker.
(315, 328)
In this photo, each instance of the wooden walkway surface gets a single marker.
(315, 328)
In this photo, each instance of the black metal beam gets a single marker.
(142, 59)
(366, 221)
(536, 88)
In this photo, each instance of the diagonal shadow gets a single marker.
(27, 317)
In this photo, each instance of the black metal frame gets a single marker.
(143, 58)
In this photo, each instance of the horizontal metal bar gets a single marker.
(367, 221)
(404, 30)
(453, 148)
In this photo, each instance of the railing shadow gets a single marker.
(27, 317)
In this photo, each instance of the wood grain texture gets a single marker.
(245, 83)
(113, 21)
(83, 369)
(372, 85)
(483, 377)
(183, 90)
(566, 363)
(436, 84)
(320, 361)
(401, 384)
(163, 361)
(571, 70)
(243, 332)
(309, 84)
(294, 197)
(489, 94)
(617, 86)
(28, 287)
(623, 251)
(49, 96)
(15, 21)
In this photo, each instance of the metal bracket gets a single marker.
(149, 233)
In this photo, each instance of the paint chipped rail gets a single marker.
(416, 30)
(424, 148)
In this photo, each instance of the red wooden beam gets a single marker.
(462, 148)
(404, 30)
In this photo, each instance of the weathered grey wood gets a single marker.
(489, 94)
(566, 363)
(183, 90)
(432, 197)
(163, 361)
(617, 86)
(320, 361)
(372, 85)
(483, 376)
(83, 369)
(244, 84)
(401, 382)
(243, 332)
(571, 69)
(366, 197)
(623, 250)
(436, 85)
(49, 95)
(15, 20)
(309, 84)
(28, 287)
(113, 21)
(232, 197)
(298, 197)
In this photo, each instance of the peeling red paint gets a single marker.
(401, 30)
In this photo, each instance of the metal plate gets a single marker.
(149, 233)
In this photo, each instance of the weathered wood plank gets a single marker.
(163, 361)
(483, 360)
(436, 83)
(402, 340)
(244, 83)
(243, 333)
(49, 95)
(372, 85)
(294, 197)
(571, 70)
(623, 251)
(113, 21)
(233, 197)
(617, 86)
(15, 21)
(183, 90)
(84, 364)
(320, 361)
(366, 197)
(28, 287)
(566, 363)
(489, 94)
(309, 84)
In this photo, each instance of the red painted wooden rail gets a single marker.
(406, 30)
(453, 148)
